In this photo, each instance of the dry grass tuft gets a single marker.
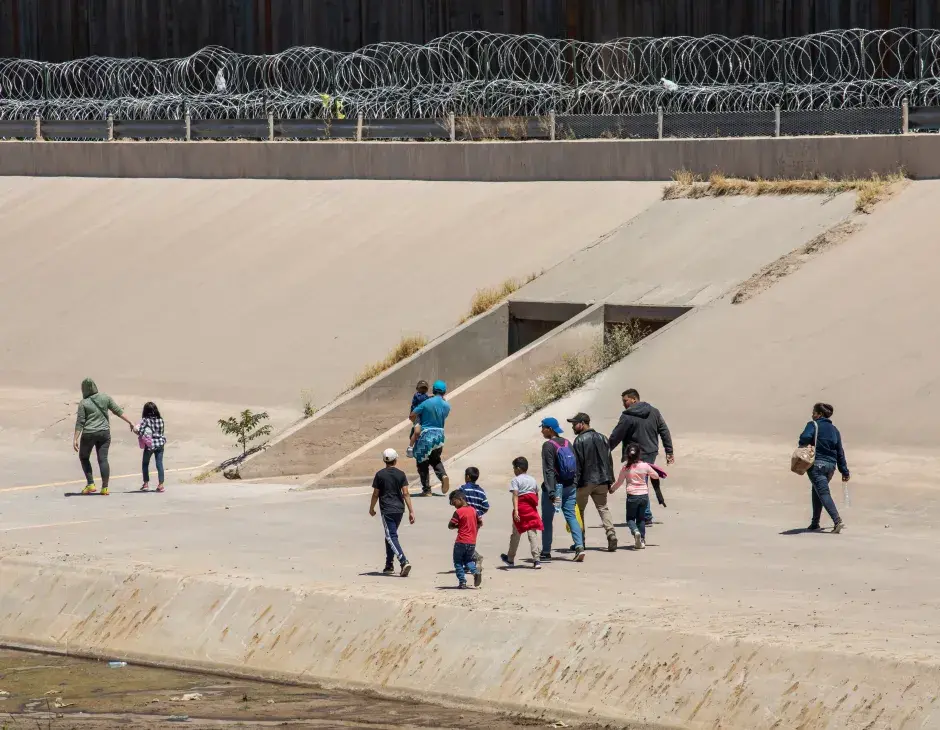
(869, 190)
(406, 347)
(573, 371)
(492, 128)
(487, 298)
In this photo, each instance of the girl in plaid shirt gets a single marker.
(152, 440)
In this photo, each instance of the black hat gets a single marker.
(580, 418)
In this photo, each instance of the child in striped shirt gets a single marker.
(476, 498)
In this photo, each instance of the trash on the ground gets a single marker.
(117, 665)
(560, 724)
(54, 692)
(60, 703)
(188, 697)
(178, 718)
(4, 693)
(270, 702)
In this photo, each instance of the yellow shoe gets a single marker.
(105, 492)
(90, 489)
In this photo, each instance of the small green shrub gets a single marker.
(245, 427)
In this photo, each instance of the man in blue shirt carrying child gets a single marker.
(427, 440)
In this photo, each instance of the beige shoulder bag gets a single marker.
(805, 456)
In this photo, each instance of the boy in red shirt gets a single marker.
(466, 521)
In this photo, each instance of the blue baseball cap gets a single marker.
(551, 423)
(439, 387)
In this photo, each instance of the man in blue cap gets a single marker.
(427, 441)
(559, 469)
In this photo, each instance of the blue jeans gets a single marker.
(569, 498)
(391, 523)
(463, 560)
(820, 474)
(637, 504)
(145, 464)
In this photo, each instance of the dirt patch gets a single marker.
(793, 261)
(41, 692)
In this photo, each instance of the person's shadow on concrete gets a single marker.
(803, 531)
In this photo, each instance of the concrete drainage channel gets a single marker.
(489, 363)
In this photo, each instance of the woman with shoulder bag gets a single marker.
(829, 456)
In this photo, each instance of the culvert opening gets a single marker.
(528, 321)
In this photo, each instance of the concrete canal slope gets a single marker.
(674, 255)
(210, 296)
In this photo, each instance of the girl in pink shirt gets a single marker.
(636, 474)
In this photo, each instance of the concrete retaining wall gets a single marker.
(380, 404)
(487, 402)
(765, 157)
(420, 647)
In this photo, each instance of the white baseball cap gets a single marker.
(390, 455)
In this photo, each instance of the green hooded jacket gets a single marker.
(93, 409)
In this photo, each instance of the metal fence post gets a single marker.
(270, 126)
(110, 128)
(359, 127)
(452, 126)
(38, 130)
(659, 122)
(188, 120)
(777, 120)
(905, 117)
(551, 125)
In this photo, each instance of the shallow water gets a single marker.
(59, 693)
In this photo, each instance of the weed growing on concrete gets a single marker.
(573, 371)
(306, 400)
(245, 427)
(492, 128)
(406, 347)
(487, 298)
(869, 190)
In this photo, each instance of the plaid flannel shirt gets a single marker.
(153, 427)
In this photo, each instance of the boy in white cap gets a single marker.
(390, 493)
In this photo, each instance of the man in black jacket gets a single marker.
(642, 424)
(595, 473)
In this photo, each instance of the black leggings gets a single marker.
(424, 469)
(101, 442)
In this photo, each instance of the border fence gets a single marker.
(479, 85)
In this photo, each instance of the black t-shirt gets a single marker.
(390, 481)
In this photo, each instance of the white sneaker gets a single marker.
(642, 544)
(638, 543)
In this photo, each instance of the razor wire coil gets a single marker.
(488, 74)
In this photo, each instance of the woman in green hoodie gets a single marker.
(93, 431)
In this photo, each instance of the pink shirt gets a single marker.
(635, 477)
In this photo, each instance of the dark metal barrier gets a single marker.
(314, 129)
(62, 129)
(229, 129)
(869, 120)
(873, 120)
(150, 129)
(924, 119)
(429, 129)
(17, 129)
